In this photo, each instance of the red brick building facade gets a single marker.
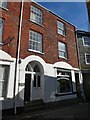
(48, 29)
(48, 54)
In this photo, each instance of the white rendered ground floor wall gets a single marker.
(35, 80)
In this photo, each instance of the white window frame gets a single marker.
(4, 82)
(64, 77)
(63, 32)
(35, 41)
(2, 2)
(37, 80)
(1, 30)
(60, 50)
(86, 59)
(36, 15)
(84, 42)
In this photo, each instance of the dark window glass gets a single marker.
(64, 82)
(87, 41)
(88, 58)
(39, 81)
(36, 68)
(4, 75)
(34, 82)
(1, 28)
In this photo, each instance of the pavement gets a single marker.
(73, 111)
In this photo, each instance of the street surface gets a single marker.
(74, 111)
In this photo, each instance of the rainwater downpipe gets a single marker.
(17, 54)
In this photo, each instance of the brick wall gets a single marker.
(11, 17)
(48, 30)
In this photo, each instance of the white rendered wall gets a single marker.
(48, 83)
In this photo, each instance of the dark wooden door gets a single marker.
(27, 87)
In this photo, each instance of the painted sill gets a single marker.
(63, 57)
(87, 63)
(86, 45)
(62, 35)
(63, 94)
(30, 50)
(4, 8)
(1, 44)
(1, 98)
(36, 23)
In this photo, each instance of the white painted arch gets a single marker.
(33, 58)
(63, 65)
(4, 55)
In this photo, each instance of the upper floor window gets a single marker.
(3, 4)
(35, 41)
(1, 28)
(62, 50)
(86, 41)
(36, 15)
(87, 58)
(61, 28)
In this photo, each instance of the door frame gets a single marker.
(29, 73)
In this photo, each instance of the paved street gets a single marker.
(71, 112)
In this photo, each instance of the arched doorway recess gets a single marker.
(33, 81)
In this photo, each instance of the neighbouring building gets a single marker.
(83, 43)
(48, 67)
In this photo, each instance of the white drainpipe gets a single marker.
(17, 53)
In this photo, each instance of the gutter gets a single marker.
(84, 33)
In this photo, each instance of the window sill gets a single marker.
(64, 94)
(62, 57)
(62, 35)
(30, 50)
(4, 8)
(87, 63)
(36, 23)
(1, 98)
(86, 45)
(1, 44)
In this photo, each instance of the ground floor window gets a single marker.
(35, 71)
(64, 82)
(37, 76)
(4, 75)
(37, 81)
